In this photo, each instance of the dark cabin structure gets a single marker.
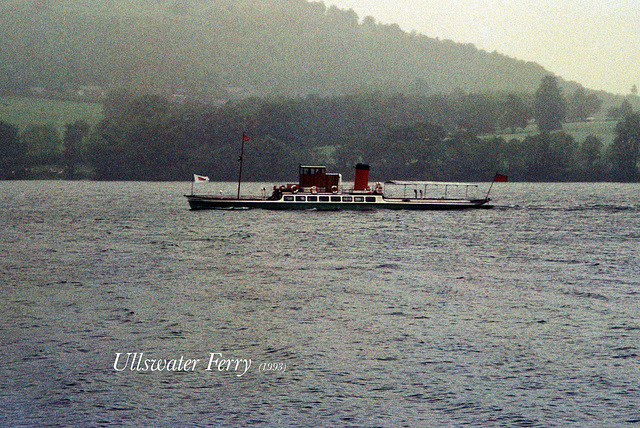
(316, 178)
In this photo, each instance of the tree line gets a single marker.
(437, 137)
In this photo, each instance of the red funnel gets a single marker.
(362, 177)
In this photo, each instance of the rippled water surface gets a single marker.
(524, 315)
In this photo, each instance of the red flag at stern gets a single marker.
(500, 178)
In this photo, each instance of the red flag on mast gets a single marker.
(245, 137)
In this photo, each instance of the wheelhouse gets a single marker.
(316, 179)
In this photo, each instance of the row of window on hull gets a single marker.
(330, 198)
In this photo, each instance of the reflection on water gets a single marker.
(524, 315)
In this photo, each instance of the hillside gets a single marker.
(235, 48)
(25, 111)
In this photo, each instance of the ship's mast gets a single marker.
(245, 137)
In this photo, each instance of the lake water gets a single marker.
(121, 307)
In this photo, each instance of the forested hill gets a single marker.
(236, 47)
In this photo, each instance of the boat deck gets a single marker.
(334, 202)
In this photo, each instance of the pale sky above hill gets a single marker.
(593, 42)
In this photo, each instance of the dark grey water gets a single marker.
(525, 315)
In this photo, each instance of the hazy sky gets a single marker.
(593, 42)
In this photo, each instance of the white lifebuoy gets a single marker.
(294, 188)
(334, 189)
(314, 189)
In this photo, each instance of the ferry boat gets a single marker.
(317, 189)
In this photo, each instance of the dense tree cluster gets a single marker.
(549, 107)
(403, 137)
(12, 152)
(625, 150)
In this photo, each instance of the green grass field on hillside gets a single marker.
(604, 130)
(24, 111)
